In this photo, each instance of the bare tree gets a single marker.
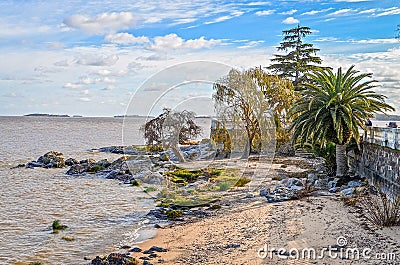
(170, 129)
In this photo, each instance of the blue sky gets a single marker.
(90, 57)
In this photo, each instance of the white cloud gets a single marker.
(173, 42)
(85, 99)
(232, 14)
(259, 3)
(290, 20)
(72, 86)
(265, 12)
(368, 11)
(125, 39)
(343, 11)
(314, 12)
(389, 11)
(290, 12)
(251, 44)
(97, 60)
(103, 23)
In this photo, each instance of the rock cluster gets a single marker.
(51, 159)
(295, 188)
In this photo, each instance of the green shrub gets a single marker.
(163, 204)
(242, 181)
(95, 169)
(136, 183)
(381, 210)
(150, 189)
(173, 214)
(58, 226)
(224, 186)
(154, 148)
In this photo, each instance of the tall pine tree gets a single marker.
(300, 59)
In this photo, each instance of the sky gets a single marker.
(105, 58)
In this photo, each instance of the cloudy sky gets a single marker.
(91, 57)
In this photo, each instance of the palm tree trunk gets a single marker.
(341, 160)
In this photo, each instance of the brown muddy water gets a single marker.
(101, 214)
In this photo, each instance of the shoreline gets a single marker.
(236, 232)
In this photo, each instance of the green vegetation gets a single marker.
(242, 182)
(183, 176)
(95, 169)
(57, 226)
(332, 109)
(223, 186)
(163, 204)
(173, 214)
(300, 58)
(136, 183)
(154, 148)
(150, 189)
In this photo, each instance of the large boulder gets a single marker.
(52, 159)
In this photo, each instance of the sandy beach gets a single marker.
(236, 232)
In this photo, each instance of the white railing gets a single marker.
(388, 137)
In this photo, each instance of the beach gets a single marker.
(235, 234)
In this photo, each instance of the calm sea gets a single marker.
(101, 214)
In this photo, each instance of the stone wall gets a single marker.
(380, 165)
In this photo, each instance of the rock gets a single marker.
(78, 169)
(334, 189)
(312, 176)
(52, 159)
(264, 192)
(135, 249)
(112, 174)
(18, 166)
(147, 263)
(71, 161)
(165, 157)
(157, 249)
(87, 161)
(127, 150)
(354, 184)
(348, 193)
(114, 259)
(233, 245)
(103, 163)
(248, 196)
(124, 247)
(33, 164)
(332, 184)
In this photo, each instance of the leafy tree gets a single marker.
(300, 59)
(170, 129)
(333, 108)
(280, 95)
(240, 105)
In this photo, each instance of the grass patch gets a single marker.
(163, 204)
(224, 186)
(150, 189)
(380, 210)
(136, 183)
(57, 226)
(95, 169)
(242, 181)
(181, 175)
(173, 214)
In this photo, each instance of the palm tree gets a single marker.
(333, 107)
